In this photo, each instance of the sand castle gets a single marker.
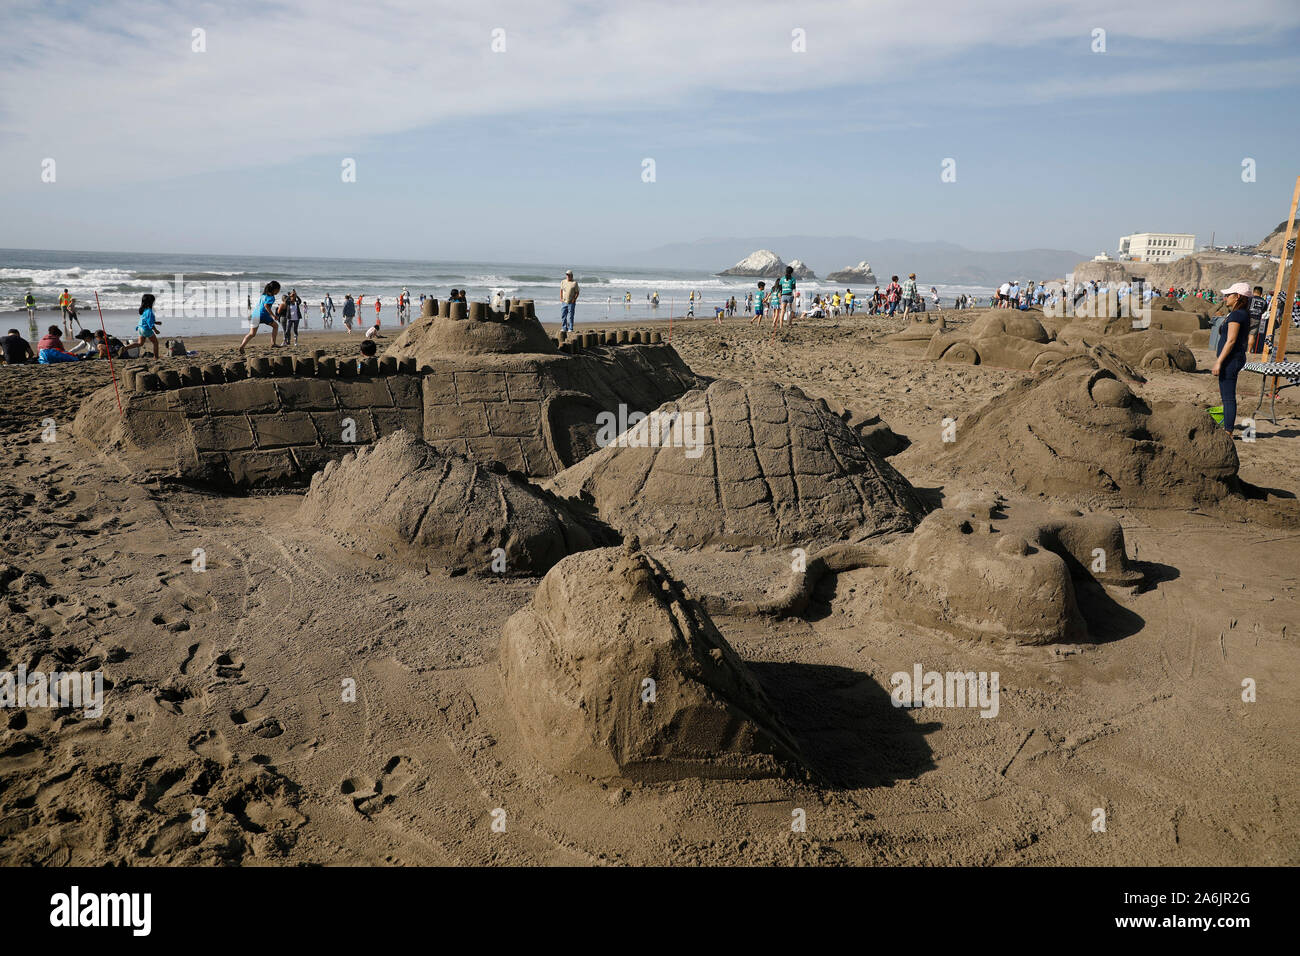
(614, 671)
(442, 510)
(739, 465)
(491, 386)
(1077, 430)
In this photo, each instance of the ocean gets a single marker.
(216, 287)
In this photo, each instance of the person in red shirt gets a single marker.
(50, 348)
(377, 308)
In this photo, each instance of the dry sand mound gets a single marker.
(743, 465)
(442, 509)
(613, 671)
(1013, 583)
(1076, 429)
(457, 328)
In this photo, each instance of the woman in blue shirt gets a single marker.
(1232, 353)
(263, 314)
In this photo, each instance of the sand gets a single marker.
(325, 702)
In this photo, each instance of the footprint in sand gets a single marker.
(229, 665)
(257, 723)
(212, 745)
(368, 796)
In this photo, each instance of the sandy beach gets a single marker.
(223, 687)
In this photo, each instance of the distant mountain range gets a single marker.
(933, 262)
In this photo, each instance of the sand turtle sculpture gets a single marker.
(614, 671)
(1077, 430)
(439, 508)
(737, 465)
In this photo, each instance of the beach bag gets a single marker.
(1216, 335)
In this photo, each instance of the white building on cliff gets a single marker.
(1156, 246)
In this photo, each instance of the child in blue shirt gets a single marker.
(264, 314)
(147, 327)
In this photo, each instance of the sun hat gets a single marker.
(1237, 288)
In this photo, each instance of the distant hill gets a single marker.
(933, 262)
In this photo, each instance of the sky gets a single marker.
(585, 131)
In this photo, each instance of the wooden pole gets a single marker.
(1282, 263)
(112, 374)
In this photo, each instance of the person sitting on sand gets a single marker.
(49, 349)
(17, 350)
(85, 346)
(107, 345)
(373, 331)
(1232, 353)
(147, 326)
(263, 314)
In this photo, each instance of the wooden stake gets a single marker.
(112, 374)
(1277, 353)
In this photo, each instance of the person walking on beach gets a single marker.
(147, 326)
(1232, 353)
(63, 311)
(263, 314)
(755, 301)
(292, 316)
(893, 292)
(568, 301)
(786, 287)
(30, 304)
(328, 318)
(378, 308)
(910, 295)
(349, 311)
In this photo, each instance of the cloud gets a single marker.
(114, 93)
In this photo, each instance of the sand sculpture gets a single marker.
(491, 386)
(1005, 337)
(495, 386)
(614, 671)
(920, 329)
(1030, 340)
(738, 465)
(1077, 430)
(442, 509)
(1151, 349)
(1007, 582)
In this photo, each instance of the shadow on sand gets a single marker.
(850, 732)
